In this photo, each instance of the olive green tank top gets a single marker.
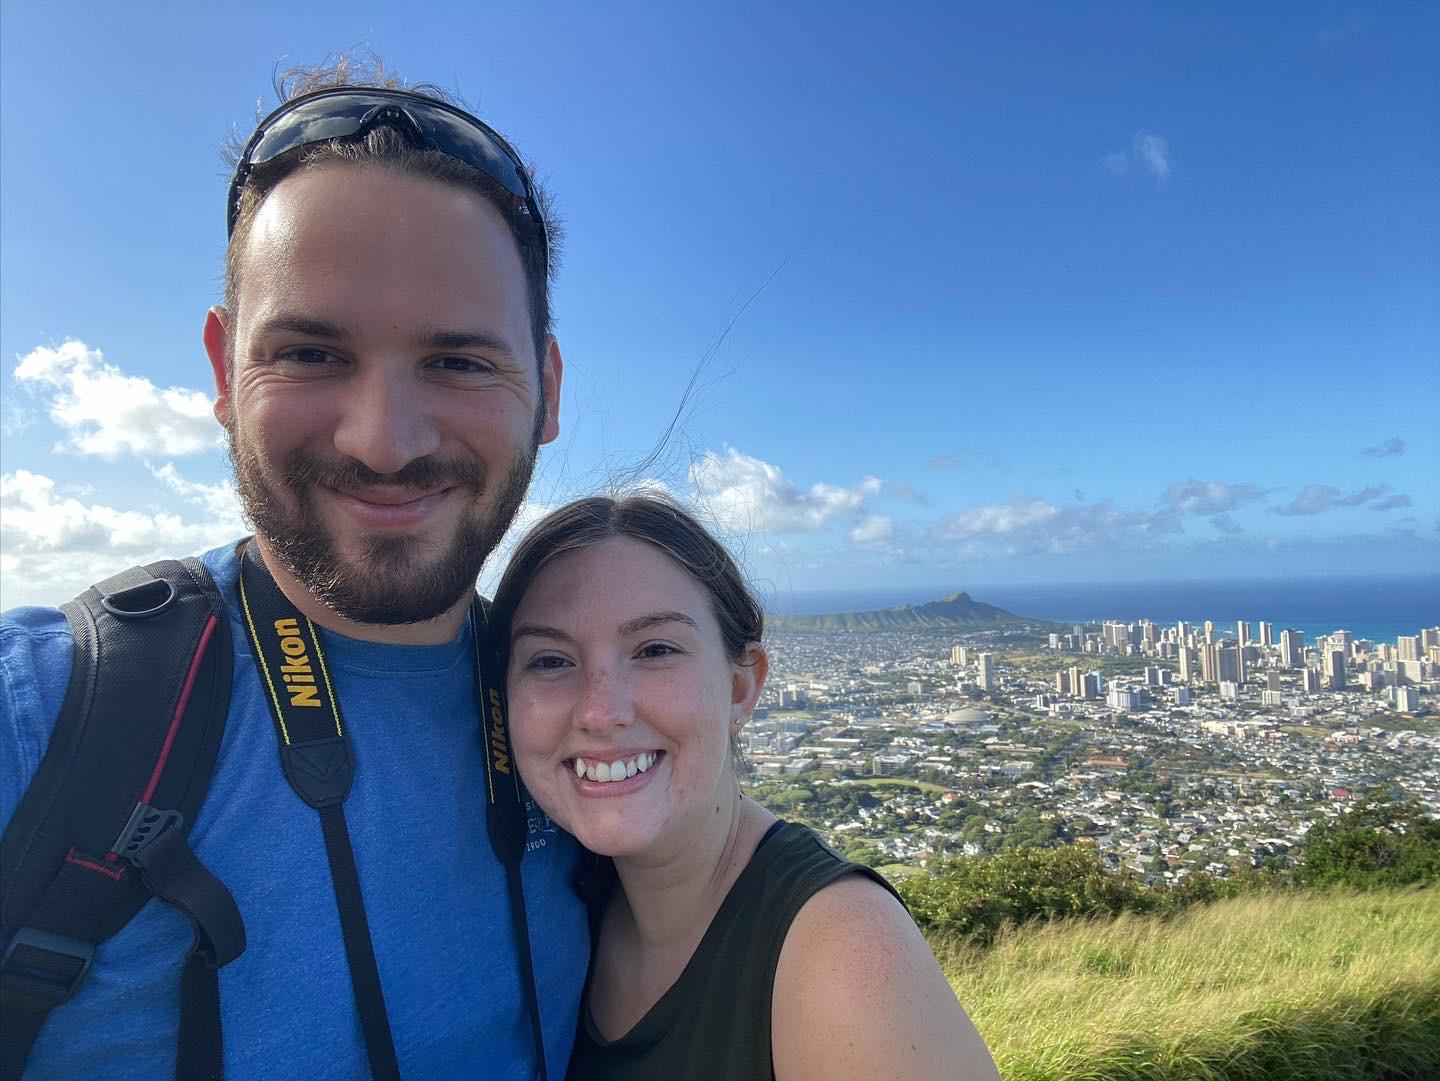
(713, 1024)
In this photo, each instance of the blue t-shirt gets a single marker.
(434, 893)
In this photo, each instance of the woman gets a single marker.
(729, 945)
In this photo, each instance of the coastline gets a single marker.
(1378, 608)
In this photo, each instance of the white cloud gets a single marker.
(1388, 449)
(1152, 152)
(1028, 525)
(1210, 496)
(1319, 498)
(14, 418)
(997, 518)
(54, 545)
(752, 495)
(1148, 152)
(105, 412)
(872, 529)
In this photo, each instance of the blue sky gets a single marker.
(1018, 293)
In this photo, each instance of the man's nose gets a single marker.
(385, 422)
(604, 700)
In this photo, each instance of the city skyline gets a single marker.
(983, 297)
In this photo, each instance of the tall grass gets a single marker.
(1278, 986)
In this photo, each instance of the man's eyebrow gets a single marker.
(315, 327)
(653, 619)
(306, 325)
(467, 339)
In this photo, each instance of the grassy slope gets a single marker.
(1273, 986)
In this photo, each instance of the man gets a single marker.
(385, 373)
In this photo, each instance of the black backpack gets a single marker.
(101, 828)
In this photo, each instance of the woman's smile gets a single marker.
(622, 697)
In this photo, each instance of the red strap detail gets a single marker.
(194, 671)
(117, 873)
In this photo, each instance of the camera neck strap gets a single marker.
(317, 761)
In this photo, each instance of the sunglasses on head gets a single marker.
(350, 113)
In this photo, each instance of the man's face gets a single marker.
(381, 392)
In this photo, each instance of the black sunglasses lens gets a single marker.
(312, 122)
(340, 116)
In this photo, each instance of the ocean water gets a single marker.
(1379, 608)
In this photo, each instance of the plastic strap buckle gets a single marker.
(42, 964)
(146, 823)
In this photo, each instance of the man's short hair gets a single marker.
(391, 149)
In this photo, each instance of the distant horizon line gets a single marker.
(1071, 583)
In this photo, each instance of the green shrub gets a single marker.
(975, 897)
(1378, 843)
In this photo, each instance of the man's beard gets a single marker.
(391, 581)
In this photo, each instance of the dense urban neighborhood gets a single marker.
(1175, 749)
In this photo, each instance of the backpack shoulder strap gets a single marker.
(101, 827)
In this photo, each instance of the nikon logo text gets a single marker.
(499, 746)
(299, 677)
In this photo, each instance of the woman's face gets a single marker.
(622, 699)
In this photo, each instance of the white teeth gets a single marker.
(618, 770)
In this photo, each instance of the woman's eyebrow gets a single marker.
(537, 630)
(640, 623)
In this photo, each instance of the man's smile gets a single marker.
(389, 507)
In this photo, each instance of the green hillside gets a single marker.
(1276, 985)
(956, 611)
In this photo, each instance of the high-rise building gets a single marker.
(1209, 630)
(1407, 648)
(1227, 664)
(1210, 663)
(1292, 649)
(1182, 696)
(1062, 682)
(1340, 640)
(959, 656)
(1077, 681)
(1407, 700)
(1272, 680)
(1267, 634)
(987, 672)
(1187, 663)
(1335, 668)
(1430, 636)
(1054, 644)
(1408, 672)
(1242, 631)
(1128, 699)
(1312, 681)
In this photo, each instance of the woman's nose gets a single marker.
(604, 700)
